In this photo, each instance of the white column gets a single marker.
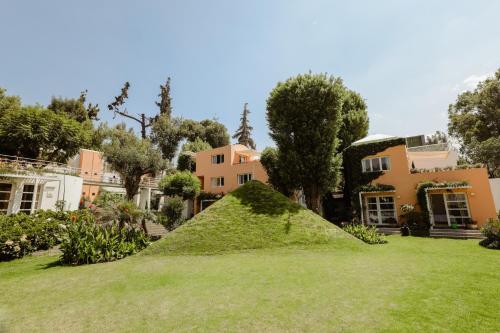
(148, 203)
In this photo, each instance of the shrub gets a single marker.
(106, 199)
(491, 231)
(172, 211)
(181, 183)
(22, 234)
(366, 234)
(87, 242)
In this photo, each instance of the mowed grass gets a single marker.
(407, 285)
(252, 217)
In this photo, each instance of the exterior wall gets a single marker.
(432, 159)
(479, 196)
(53, 187)
(495, 189)
(67, 188)
(230, 169)
(91, 164)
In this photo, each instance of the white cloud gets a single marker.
(471, 82)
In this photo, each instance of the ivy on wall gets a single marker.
(354, 177)
(421, 194)
(368, 188)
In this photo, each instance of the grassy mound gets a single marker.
(251, 217)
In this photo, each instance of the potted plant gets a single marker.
(471, 224)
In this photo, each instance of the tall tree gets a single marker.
(186, 159)
(166, 133)
(208, 130)
(355, 122)
(243, 133)
(437, 137)
(36, 132)
(8, 103)
(304, 116)
(75, 108)
(132, 158)
(474, 120)
(278, 178)
(165, 102)
(141, 118)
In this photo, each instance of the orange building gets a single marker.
(223, 169)
(468, 198)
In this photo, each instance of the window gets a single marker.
(457, 208)
(381, 210)
(218, 159)
(243, 159)
(244, 177)
(5, 190)
(27, 198)
(217, 181)
(375, 164)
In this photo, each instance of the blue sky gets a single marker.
(408, 59)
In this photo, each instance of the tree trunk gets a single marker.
(144, 227)
(132, 186)
(313, 198)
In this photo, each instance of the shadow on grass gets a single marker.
(264, 200)
(55, 263)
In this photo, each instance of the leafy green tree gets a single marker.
(75, 108)
(166, 133)
(210, 131)
(304, 116)
(437, 137)
(187, 157)
(196, 146)
(183, 184)
(474, 120)
(243, 133)
(215, 133)
(277, 178)
(355, 122)
(8, 103)
(132, 158)
(35, 132)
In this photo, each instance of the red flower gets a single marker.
(73, 218)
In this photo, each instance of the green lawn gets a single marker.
(407, 285)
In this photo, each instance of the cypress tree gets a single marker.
(243, 134)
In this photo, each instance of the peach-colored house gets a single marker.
(223, 169)
(97, 176)
(446, 206)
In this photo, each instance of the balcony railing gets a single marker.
(16, 165)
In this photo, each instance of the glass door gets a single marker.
(381, 210)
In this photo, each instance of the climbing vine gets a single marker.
(421, 187)
(354, 177)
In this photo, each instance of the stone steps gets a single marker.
(389, 231)
(456, 233)
(440, 233)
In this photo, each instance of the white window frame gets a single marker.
(363, 168)
(35, 198)
(243, 159)
(446, 201)
(6, 210)
(218, 159)
(379, 210)
(217, 181)
(241, 176)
